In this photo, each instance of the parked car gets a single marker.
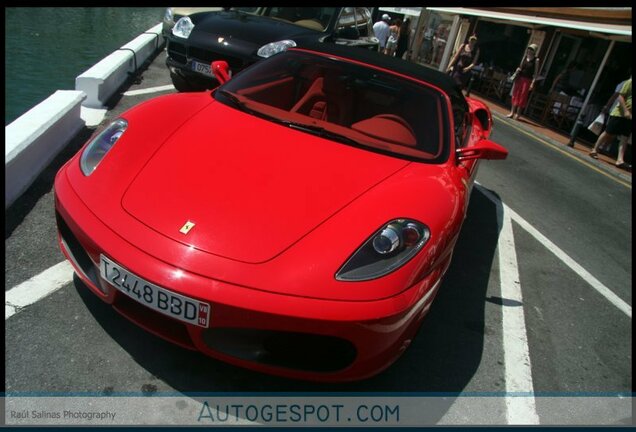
(297, 220)
(243, 37)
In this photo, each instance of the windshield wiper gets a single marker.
(241, 105)
(235, 101)
(320, 131)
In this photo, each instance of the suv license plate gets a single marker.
(203, 68)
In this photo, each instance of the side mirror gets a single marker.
(484, 149)
(221, 71)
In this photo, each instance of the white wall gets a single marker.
(101, 81)
(34, 139)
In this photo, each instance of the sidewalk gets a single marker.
(560, 140)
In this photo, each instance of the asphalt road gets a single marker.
(577, 340)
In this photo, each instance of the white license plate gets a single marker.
(202, 68)
(162, 300)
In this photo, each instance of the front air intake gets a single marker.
(291, 350)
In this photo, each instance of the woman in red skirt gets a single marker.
(523, 81)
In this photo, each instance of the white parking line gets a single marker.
(520, 400)
(565, 258)
(149, 90)
(520, 408)
(577, 268)
(36, 288)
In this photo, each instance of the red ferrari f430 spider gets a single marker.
(297, 220)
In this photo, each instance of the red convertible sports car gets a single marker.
(296, 220)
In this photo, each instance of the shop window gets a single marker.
(436, 32)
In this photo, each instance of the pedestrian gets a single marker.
(600, 122)
(619, 124)
(403, 41)
(381, 31)
(464, 61)
(426, 47)
(394, 35)
(523, 80)
(439, 43)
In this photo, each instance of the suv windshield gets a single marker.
(315, 18)
(345, 102)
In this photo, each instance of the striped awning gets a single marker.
(618, 32)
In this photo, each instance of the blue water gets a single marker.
(46, 48)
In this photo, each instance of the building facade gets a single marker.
(584, 53)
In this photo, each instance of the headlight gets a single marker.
(275, 47)
(183, 27)
(169, 15)
(388, 249)
(100, 145)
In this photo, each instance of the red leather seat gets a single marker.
(387, 127)
(328, 98)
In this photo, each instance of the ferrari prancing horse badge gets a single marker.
(187, 227)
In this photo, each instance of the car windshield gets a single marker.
(345, 102)
(315, 18)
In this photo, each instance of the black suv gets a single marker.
(243, 37)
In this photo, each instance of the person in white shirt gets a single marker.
(619, 124)
(381, 31)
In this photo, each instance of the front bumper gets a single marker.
(298, 337)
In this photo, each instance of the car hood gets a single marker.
(243, 31)
(252, 188)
